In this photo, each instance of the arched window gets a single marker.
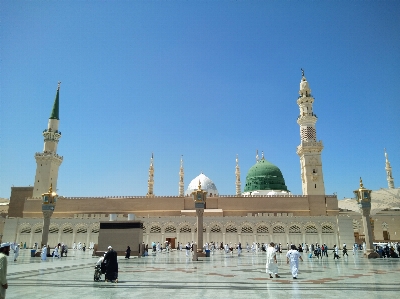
(68, 230)
(53, 230)
(311, 229)
(262, 229)
(279, 229)
(185, 229)
(216, 229)
(247, 229)
(231, 229)
(327, 229)
(294, 229)
(170, 229)
(155, 229)
(81, 230)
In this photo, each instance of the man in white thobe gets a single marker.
(44, 253)
(272, 264)
(293, 257)
(4, 252)
(16, 252)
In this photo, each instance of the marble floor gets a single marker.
(173, 275)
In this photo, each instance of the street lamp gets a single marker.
(199, 197)
(363, 197)
(49, 200)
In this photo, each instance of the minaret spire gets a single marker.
(150, 182)
(181, 179)
(309, 149)
(388, 169)
(48, 161)
(237, 173)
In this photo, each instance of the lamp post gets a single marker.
(363, 197)
(199, 197)
(49, 200)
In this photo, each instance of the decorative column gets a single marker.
(388, 169)
(181, 180)
(237, 173)
(199, 197)
(49, 200)
(150, 182)
(363, 197)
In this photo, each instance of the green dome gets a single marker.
(264, 176)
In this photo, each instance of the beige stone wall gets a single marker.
(282, 228)
(313, 205)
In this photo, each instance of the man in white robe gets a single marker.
(293, 257)
(4, 253)
(272, 263)
(16, 252)
(44, 253)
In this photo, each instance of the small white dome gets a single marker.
(206, 184)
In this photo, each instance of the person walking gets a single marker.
(4, 253)
(44, 253)
(111, 265)
(293, 257)
(336, 252)
(344, 250)
(272, 264)
(128, 252)
(16, 252)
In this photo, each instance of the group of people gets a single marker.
(292, 257)
(59, 250)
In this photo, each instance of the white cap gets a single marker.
(109, 247)
(7, 244)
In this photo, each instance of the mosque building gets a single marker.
(265, 211)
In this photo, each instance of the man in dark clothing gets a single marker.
(111, 262)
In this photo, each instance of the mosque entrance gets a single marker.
(171, 241)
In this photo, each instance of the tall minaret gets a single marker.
(309, 149)
(237, 173)
(181, 177)
(151, 179)
(48, 161)
(388, 169)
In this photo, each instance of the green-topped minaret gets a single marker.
(48, 161)
(55, 113)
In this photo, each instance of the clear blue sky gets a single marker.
(203, 79)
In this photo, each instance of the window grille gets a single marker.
(311, 229)
(327, 229)
(53, 230)
(185, 229)
(26, 230)
(279, 229)
(294, 229)
(38, 230)
(95, 230)
(231, 229)
(215, 229)
(155, 229)
(247, 230)
(81, 230)
(262, 229)
(170, 229)
(68, 230)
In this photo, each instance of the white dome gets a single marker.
(206, 184)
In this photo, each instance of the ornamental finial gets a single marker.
(199, 185)
(302, 72)
(361, 183)
(51, 188)
(262, 155)
(58, 85)
(257, 158)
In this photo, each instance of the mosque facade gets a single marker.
(266, 210)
